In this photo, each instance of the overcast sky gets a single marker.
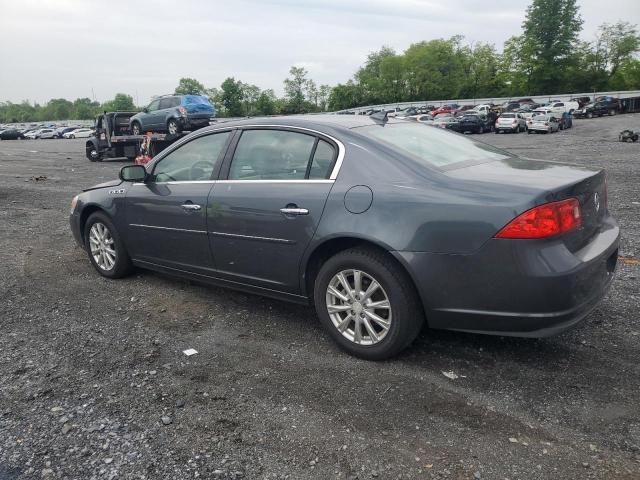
(96, 48)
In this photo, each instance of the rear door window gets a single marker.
(166, 103)
(153, 105)
(271, 155)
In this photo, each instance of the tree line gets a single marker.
(547, 58)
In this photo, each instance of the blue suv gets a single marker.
(172, 114)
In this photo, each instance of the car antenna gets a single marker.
(380, 117)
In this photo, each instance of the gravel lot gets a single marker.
(94, 384)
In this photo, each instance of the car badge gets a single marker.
(596, 201)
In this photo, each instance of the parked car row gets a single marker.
(472, 121)
(11, 133)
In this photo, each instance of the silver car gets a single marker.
(511, 122)
(543, 123)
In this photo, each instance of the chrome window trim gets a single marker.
(179, 182)
(155, 227)
(341, 149)
(302, 180)
(202, 132)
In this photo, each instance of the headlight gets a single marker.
(73, 203)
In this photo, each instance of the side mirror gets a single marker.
(145, 110)
(133, 173)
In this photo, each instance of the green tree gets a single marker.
(121, 103)
(266, 103)
(295, 88)
(231, 97)
(190, 86)
(250, 95)
(85, 109)
(550, 37)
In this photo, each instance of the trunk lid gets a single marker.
(548, 182)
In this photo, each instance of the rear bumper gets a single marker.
(515, 287)
(196, 121)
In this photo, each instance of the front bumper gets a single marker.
(74, 224)
(526, 288)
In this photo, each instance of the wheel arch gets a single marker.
(87, 210)
(337, 244)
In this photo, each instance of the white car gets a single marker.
(36, 133)
(562, 107)
(543, 123)
(510, 122)
(79, 133)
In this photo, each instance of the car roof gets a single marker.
(319, 121)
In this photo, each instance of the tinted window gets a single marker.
(153, 105)
(271, 155)
(192, 161)
(433, 146)
(167, 103)
(508, 115)
(322, 163)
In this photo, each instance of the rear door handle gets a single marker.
(191, 207)
(294, 211)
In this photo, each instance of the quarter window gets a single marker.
(193, 161)
(322, 161)
(166, 103)
(271, 155)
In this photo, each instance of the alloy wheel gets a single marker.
(102, 246)
(358, 307)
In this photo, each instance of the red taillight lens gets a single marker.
(544, 221)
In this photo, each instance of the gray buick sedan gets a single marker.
(384, 225)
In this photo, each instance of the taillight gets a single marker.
(544, 221)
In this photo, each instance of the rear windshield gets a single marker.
(195, 100)
(433, 146)
(507, 115)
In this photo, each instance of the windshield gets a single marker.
(433, 146)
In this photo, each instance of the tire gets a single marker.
(93, 155)
(529, 132)
(395, 286)
(497, 131)
(136, 128)
(72, 136)
(480, 130)
(173, 127)
(589, 115)
(121, 262)
(612, 112)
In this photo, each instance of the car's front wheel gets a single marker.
(368, 303)
(105, 248)
(136, 129)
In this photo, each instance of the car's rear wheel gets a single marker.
(589, 115)
(136, 128)
(612, 112)
(172, 127)
(72, 136)
(105, 248)
(368, 303)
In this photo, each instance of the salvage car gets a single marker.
(10, 134)
(79, 133)
(510, 122)
(173, 114)
(544, 124)
(382, 224)
(472, 123)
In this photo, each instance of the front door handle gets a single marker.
(294, 211)
(191, 207)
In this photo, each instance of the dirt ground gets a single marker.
(94, 384)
